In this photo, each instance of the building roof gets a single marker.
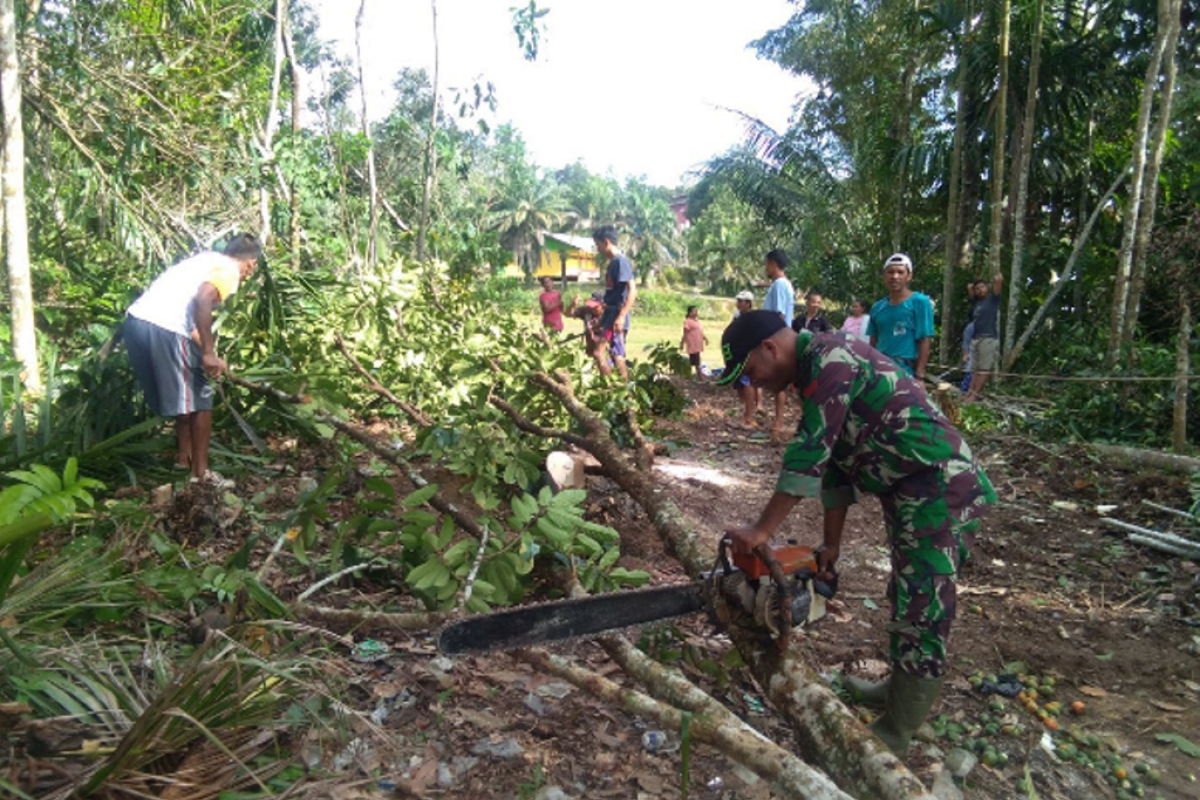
(565, 241)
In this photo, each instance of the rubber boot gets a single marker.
(908, 701)
(868, 693)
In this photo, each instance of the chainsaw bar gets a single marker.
(567, 619)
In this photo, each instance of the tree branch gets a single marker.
(412, 412)
(369, 621)
(526, 425)
(794, 778)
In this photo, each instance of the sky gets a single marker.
(627, 87)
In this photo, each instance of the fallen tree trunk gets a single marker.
(827, 733)
(1148, 458)
(791, 777)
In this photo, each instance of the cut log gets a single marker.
(1148, 458)
(791, 777)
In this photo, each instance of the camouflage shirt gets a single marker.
(868, 426)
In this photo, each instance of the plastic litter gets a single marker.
(505, 749)
(370, 650)
(1006, 685)
(658, 742)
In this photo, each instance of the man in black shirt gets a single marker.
(812, 319)
(985, 341)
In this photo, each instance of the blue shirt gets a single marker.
(897, 328)
(781, 298)
(616, 282)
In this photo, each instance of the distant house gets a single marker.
(679, 207)
(565, 257)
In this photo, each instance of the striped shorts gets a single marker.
(169, 369)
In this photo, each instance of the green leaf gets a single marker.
(523, 508)
(569, 497)
(71, 471)
(555, 535)
(629, 577)
(419, 496)
(609, 558)
(382, 487)
(446, 535)
(1185, 745)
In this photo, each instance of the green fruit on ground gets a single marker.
(1141, 768)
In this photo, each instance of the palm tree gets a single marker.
(522, 213)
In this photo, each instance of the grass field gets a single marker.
(648, 331)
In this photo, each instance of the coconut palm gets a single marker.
(518, 217)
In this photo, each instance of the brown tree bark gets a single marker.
(1183, 365)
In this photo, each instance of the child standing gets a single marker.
(693, 340)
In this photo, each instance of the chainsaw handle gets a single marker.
(723, 554)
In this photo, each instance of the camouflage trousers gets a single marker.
(931, 525)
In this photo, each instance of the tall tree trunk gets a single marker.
(1145, 224)
(1023, 168)
(902, 126)
(1085, 184)
(272, 123)
(1081, 238)
(372, 188)
(1120, 299)
(950, 337)
(294, 197)
(1000, 129)
(16, 226)
(430, 156)
(1183, 366)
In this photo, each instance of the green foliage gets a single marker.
(34, 500)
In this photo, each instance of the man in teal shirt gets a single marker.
(901, 325)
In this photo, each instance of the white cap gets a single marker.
(746, 295)
(901, 259)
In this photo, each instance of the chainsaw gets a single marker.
(774, 590)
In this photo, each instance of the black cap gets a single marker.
(741, 337)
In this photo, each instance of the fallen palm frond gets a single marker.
(226, 719)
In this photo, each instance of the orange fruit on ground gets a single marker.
(1078, 707)
(1120, 774)
(1051, 723)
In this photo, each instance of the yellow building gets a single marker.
(564, 256)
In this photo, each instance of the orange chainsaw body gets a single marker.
(791, 558)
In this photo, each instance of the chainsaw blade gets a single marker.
(567, 619)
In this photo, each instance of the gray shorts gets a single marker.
(168, 367)
(985, 354)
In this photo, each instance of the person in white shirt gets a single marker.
(168, 332)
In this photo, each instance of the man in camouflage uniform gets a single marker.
(868, 426)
